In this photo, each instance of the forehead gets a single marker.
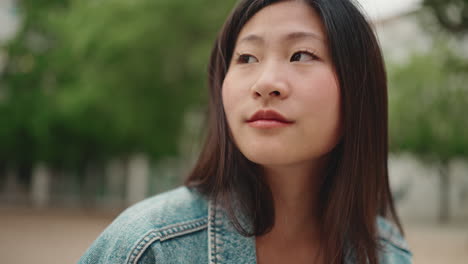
(283, 18)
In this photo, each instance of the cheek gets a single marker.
(323, 107)
(323, 88)
(227, 98)
(232, 95)
(323, 96)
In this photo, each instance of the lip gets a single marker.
(268, 119)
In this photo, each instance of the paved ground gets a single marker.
(61, 236)
(51, 236)
(433, 244)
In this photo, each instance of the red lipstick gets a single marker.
(268, 119)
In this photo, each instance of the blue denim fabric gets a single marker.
(180, 226)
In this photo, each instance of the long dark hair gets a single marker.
(356, 188)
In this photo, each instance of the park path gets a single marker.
(49, 236)
(58, 236)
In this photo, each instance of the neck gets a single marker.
(295, 192)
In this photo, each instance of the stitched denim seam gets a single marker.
(396, 245)
(387, 235)
(188, 231)
(211, 233)
(164, 234)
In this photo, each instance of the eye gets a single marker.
(303, 56)
(246, 58)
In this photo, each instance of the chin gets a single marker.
(281, 155)
(270, 156)
(266, 160)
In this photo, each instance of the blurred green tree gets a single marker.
(427, 113)
(23, 103)
(86, 81)
(428, 96)
(452, 15)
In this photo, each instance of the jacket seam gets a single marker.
(399, 246)
(211, 233)
(163, 234)
(389, 236)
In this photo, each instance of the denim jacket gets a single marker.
(180, 226)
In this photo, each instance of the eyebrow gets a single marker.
(288, 37)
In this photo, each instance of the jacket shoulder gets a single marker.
(394, 248)
(165, 216)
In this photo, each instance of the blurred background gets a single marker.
(102, 104)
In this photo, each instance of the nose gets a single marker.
(271, 83)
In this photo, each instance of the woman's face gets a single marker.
(280, 95)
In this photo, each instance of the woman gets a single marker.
(294, 168)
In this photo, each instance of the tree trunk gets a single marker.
(40, 186)
(137, 178)
(115, 183)
(444, 205)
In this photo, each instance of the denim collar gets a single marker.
(226, 244)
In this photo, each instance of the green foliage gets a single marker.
(428, 102)
(90, 80)
(452, 15)
(428, 95)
